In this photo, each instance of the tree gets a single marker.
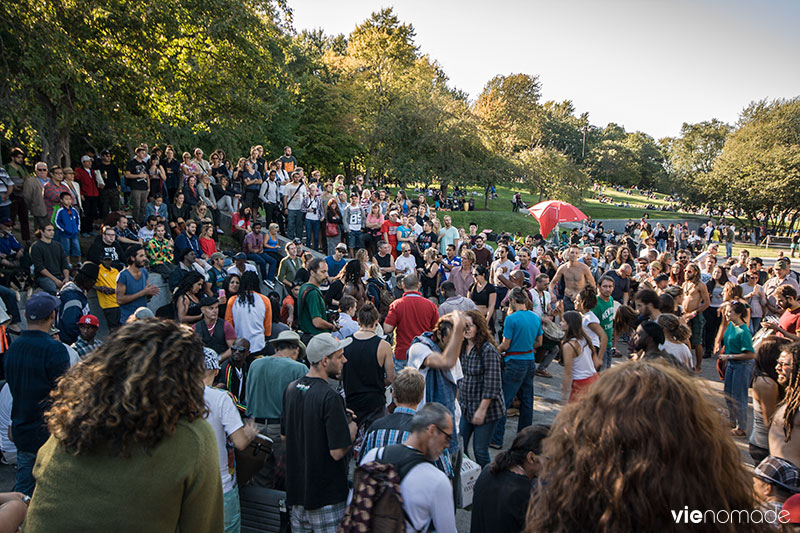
(758, 170)
(553, 175)
(691, 157)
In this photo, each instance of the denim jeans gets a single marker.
(259, 260)
(399, 364)
(607, 359)
(354, 239)
(25, 482)
(233, 511)
(728, 249)
(737, 379)
(482, 435)
(9, 298)
(47, 285)
(755, 324)
(295, 225)
(518, 377)
(661, 245)
(312, 234)
(71, 245)
(549, 354)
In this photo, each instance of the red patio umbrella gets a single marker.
(552, 212)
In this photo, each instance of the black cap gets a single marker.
(208, 301)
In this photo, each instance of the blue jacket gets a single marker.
(33, 363)
(74, 305)
(160, 211)
(68, 221)
(183, 241)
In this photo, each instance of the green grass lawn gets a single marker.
(500, 218)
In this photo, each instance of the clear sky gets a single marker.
(647, 65)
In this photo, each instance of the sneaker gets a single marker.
(219, 230)
(495, 446)
(270, 284)
(512, 412)
(544, 374)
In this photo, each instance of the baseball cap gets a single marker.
(792, 506)
(105, 152)
(323, 345)
(291, 337)
(108, 255)
(217, 255)
(588, 250)
(40, 305)
(211, 358)
(208, 301)
(142, 313)
(777, 471)
(85, 159)
(89, 320)
(5, 221)
(340, 246)
(240, 256)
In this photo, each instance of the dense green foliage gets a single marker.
(233, 73)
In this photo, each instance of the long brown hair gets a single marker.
(619, 460)
(482, 333)
(132, 389)
(575, 331)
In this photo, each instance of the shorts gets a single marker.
(579, 387)
(696, 324)
(326, 519)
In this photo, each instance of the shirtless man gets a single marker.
(576, 276)
(788, 362)
(695, 301)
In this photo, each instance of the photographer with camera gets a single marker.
(311, 310)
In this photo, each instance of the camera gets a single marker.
(333, 316)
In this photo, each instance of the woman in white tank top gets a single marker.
(579, 356)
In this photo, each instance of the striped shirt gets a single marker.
(394, 429)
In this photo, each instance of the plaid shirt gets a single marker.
(482, 379)
(380, 434)
(84, 348)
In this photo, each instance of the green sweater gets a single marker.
(177, 487)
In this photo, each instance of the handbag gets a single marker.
(252, 459)
(331, 229)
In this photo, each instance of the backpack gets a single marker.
(377, 503)
(384, 298)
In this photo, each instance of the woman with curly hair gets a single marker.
(607, 455)
(129, 450)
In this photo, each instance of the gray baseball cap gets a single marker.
(323, 345)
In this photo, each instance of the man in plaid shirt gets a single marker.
(87, 339)
(408, 389)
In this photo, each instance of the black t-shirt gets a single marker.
(135, 166)
(289, 163)
(621, 286)
(110, 175)
(426, 240)
(500, 502)
(481, 297)
(172, 169)
(314, 423)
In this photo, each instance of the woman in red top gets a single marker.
(240, 223)
(206, 240)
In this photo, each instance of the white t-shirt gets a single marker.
(247, 268)
(248, 320)
(405, 265)
(427, 497)
(416, 357)
(680, 351)
(497, 264)
(6, 402)
(537, 298)
(225, 419)
(297, 202)
(588, 319)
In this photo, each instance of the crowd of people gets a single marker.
(345, 324)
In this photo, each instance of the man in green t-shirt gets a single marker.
(604, 311)
(312, 313)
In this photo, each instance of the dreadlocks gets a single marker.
(792, 398)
